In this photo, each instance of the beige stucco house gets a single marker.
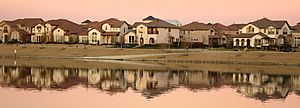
(196, 33)
(154, 31)
(276, 31)
(296, 36)
(108, 32)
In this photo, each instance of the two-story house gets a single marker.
(263, 33)
(21, 25)
(155, 31)
(196, 34)
(296, 35)
(109, 31)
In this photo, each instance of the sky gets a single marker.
(186, 11)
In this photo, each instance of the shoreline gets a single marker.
(197, 56)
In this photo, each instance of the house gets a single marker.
(277, 32)
(20, 35)
(66, 31)
(109, 31)
(155, 31)
(130, 37)
(296, 35)
(25, 24)
(196, 34)
(6, 27)
(251, 40)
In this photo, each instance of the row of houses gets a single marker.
(260, 33)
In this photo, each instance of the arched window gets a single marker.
(248, 42)
(94, 33)
(243, 42)
(141, 41)
(237, 42)
(151, 40)
(250, 29)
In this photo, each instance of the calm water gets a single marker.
(50, 87)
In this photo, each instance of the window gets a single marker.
(58, 30)
(124, 30)
(94, 39)
(151, 41)
(106, 28)
(284, 31)
(39, 28)
(211, 32)
(243, 42)
(131, 39)
(5, 30)
(271, 31)
(94, 33)
(250, 29)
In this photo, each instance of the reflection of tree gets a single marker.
(151, 83)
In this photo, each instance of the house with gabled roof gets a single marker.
(155, 31)
(20, 35)
(109, 31)
(276, 30)
(25, 24)
(196, 33)
(296, 35)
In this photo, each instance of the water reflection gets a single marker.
(150, 83)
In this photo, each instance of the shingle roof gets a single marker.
(110, 34)
(149, 18)
(69, 26)
(236, 27)
(265, 23)
(87, 21)
(28, 22)
(10, 23)
(23, 32)
(220, 27)
(160, 23)
(296, 28)
(111, 21)
(196, 26)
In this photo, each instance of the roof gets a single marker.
(196, 26)
(160, 23)
(110, 34)
(23, 32)
(28, 22)
(220, 27)
(249, 35)
(10, 23)
(69, 26)
(296, 28)
(236, 27)
(265, 23)
(115, 23)
(149, 18)
(86, 21)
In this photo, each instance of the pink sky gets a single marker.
(223, 11)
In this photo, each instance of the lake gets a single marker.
(94, 84)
